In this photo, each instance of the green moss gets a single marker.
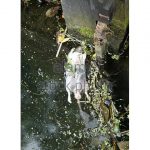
(118, 28)
(119, 24)
(86, 32)
(120, 19)
(82, 33)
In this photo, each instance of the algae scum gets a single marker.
(49, 122)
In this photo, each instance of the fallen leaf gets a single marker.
(65, 40)
(60, 38)
(123, 145)
(94, 56)
(52, 11)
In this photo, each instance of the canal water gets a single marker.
(48, 121)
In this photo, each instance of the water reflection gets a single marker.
(32, 145)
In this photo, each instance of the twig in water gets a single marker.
(125, 132)
(73, 38)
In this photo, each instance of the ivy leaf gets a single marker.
(94, 56)
(116, 57)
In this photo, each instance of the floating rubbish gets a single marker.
(107, 102)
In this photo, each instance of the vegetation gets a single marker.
(86, 32)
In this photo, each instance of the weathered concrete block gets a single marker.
(85, 13)
(82, 15)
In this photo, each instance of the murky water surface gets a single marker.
(49, 122)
